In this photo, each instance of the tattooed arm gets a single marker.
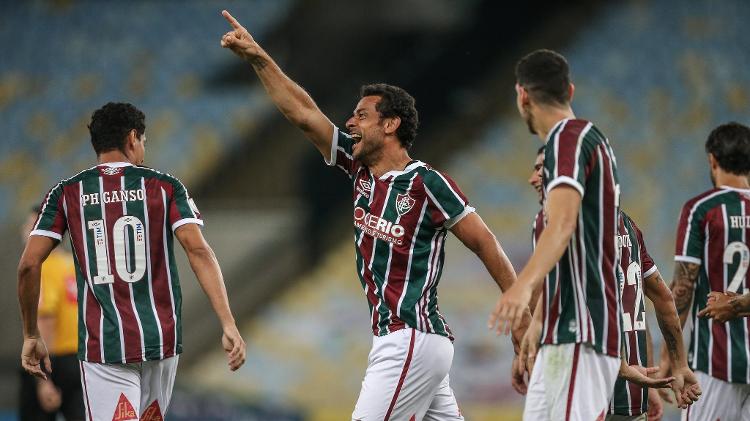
(683, 287)
(668, 316)
(671, 316)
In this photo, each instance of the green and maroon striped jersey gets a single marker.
(713, 233)
(121, 220)
(635, 264)
(581, 297)
(401, 220)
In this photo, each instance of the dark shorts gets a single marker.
(66, 376)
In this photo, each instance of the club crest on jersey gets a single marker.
(404, 203)
(111, 170)
(364, 187)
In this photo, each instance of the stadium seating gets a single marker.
(161, 56)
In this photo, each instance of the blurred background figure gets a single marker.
(61, 394)
(655, 76)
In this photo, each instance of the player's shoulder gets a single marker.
(707, 200)
(572, 128)
(626, 219)
(79, 176)
(154, 173)
(571, 134)
(432, 177)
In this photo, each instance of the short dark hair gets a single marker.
(111, 124)
(545, 74)
(395, 102)
(540, 150)
(730, 146)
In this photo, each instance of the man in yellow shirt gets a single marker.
(58, 324)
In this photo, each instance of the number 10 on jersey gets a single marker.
(125, 228)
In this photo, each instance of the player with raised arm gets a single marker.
(578, 320)
(122, 219)
(711, 264)
(403, 210)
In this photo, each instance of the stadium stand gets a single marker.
(47, 92)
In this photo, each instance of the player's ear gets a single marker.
(571, 91)
(391, 125)
(523, 95)
(132, 138)
(712, 161)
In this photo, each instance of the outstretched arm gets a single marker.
(34, 350)
(296, 104)
(206, 268)
(685, 385)
(563, 204)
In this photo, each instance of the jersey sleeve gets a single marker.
(648, 267)
(690, 235)
(341, 152)
(51, 221)
(182, 208)
(565, 162)
(448, 204)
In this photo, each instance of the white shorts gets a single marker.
(720, 400)
(570, 382)
(120, 392)
(407, 379)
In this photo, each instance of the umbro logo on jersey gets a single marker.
(364, 187)
(112, 170)
(404, 203)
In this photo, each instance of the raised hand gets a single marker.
(33, 354)
(234, 346)
(239, 39)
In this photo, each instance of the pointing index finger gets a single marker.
(232, 21)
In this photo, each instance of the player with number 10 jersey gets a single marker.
(128, 288)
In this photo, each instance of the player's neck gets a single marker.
(732, 180)
(548, 117)
(396, 161)
(113, 156)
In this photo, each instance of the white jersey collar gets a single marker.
(408, 168)
(116, 164)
